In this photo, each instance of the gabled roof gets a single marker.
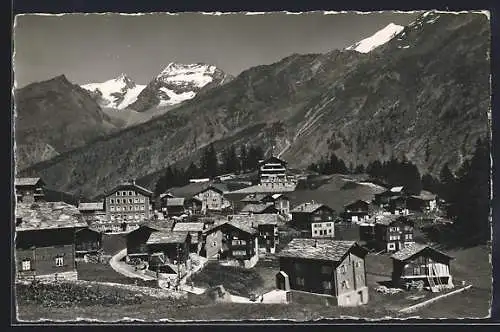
(355, 203)
(131, 186)
(241, 225)
(274, 159)
(189, 227)
(168, 195)
(257, 208)
(279, 195)
(257, 219)
(254, 198)
(389, 219)
(177, 201)
(320, 249)
(94, 206)
(425, 196)
(309, 207)
(396, 189)
(47, 215)
(165, 237)
(27, 181)
(414, 249)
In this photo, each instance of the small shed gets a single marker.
(282, 281)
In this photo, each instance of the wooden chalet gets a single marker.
(398, 206)
(382, 199)
(173, 206)
(259, 208)
(424, 202)
(239, 242)
(88, 242)
(193, 205)
(393, 233)
(29, 190)
(195, 229)
(212, 198)
(136, 239)
(92, 211)
(305, 214)
(327, 267)
(128, 202)
(45, 240)
(357, 211)
(173, 245)
(420, 265)
(266, 226)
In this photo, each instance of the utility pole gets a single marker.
(178, 267)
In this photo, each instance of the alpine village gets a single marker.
(246, 228)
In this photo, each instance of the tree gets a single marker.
(430, 183)
(244, 158)
(360, 169)
(447, 183)
(230, 160)
(209, 162)
(192, 172)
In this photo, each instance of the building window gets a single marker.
(112, 201)
(239, 252)
(239, 242)
(117, 193)
(59, 261)
(112, 208)
(130, 193)
(325, 269)
(118, 201)
(316, 232)
(408, 236)
(358, 264)
(136, 200)
(342, 269)
(214, 244)
(300, 281)
(391, 246)
(327, 285)
(118, 208)
(329, 231)
(26, 265)
(130, 201)
(345, 284)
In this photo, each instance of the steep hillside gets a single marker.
(424, 94)
(53, 117)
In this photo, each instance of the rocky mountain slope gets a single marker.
(178, 83)
(53, 117)
(423, 95)
(116, 93)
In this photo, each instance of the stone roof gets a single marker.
(257, 219)
(256, 208)
(26, 181)
(397, 189)
(308, 207)
(47, 215)
(175, 201)
(131, 185)
(94, 206)
(412, 250)
(319, 249)
(189, 227)
(254, 198)
(165, 237)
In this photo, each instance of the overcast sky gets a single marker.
(94, 48)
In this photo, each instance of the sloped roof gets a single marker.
(359, 201)
(386, 219)
(256, 208)
(242, 225)
(322, 249)
(279, 195)
(132, 186)
(175, 201)
(425, 195)
(168, 194)
(414, 249)
(274, 159)
(397, 189)
(94, 206)
(266, 189)
(189, 227)
(48, 215)
(164, 237)
(257, 219)
(27, 181)
(254, 197)
(309, 207)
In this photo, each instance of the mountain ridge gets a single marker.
(360, 106)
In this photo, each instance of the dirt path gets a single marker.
(123, 268)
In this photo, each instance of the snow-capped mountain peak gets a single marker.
(377, 39)
(198, 74)
(117, 92)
